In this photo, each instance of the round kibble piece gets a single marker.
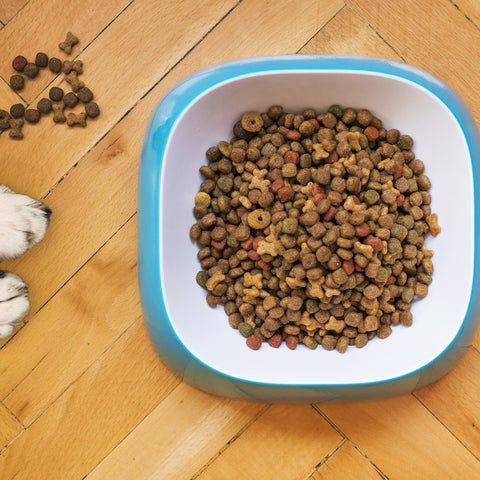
(32, 115)
(19, 63)
(252, 122)
(4, 120)
(17, 82)
(55, 94)
(85, 95)
(41, 60)
(44, 106)
(17, 110)
(92, 110)
(55, 65)
(70, 100)
(30, 70)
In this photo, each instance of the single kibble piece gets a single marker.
(16, 125)
(76, 65)
(58, 115)
(92, 110)
(75, 83)
(55, 94)
(17, 82)
(252, 122)
(19, 63)
(44, 106)
(85, 95)
(55, 65)
(30, 70)
(4, 120)
(68, 43)
(32, 115)
(17, 110)
(70, 100)
(77, 119)
(41, 60)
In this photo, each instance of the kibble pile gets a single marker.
(56, 101)
(312, 226)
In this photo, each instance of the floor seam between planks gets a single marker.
(321, 28)
(219, 452)
(443, 425)
(330, 454)
(16, 13)
(465, 15)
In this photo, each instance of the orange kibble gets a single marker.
(291, 157)
(277, 185)
(398, 172)
(247, 244)
(253, 255)
(362, 230)
(264, 265)
(241, 211)
(330, 214)
(254, 342)
(317, 197)
(286, 194)
(400, 199)
(375, 243)
(293, 135)
(348, 266)
(256, 241)
(371, 133)
(275, 341)
(291, 341)
(315, 123)
(332, 158)
(317, 188)
(219, 245)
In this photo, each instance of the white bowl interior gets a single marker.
(439, 142)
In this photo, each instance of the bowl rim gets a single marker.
(162, 333)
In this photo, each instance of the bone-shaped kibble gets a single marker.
(69, 42)
(76, 65)
(58, 116)
(16, 125)
(72, 79)
(77, 119)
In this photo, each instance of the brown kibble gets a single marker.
(58, 115)
(19, 63)
(79, 119)
(4, 120)
(55, 65)
(17, 82)
(70, 41)
(73, 80)
(32, 115)
(55, 94)
(44, 106)
(85, 95)
(69, 66)
(92, 110)
(17, 110)
(70, 100)
(252, 122)
(30, 70)
(16, 125)
(41, 60)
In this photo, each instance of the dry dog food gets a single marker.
(70, 100)
(312, 228)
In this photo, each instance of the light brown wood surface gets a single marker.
(82, 393)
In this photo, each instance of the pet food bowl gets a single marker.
(195, 341)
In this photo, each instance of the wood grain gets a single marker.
(346, 463)
(403, 439)
(8, 8)
(10, 427)
(306, 436)
(176, 446)
(89, 397)
(459, 404)
(93, 415)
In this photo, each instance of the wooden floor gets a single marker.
(82, 394)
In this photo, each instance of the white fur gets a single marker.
(23, 223)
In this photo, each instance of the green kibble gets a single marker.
(225, 183)
(213, 154)
(371, 197)
(375, 186)
(202, 278)
(394, 245)
(412, 237)
(289, 226)
(398, 231)
(405, 142)
(407, 221)
(408, 294)
(223, 203)
(245, 329)
(311, 306)
(382, 275)
(424, 278)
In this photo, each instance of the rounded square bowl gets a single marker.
(195, 341)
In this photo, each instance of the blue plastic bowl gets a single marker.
(197, 342)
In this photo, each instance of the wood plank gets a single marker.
(348, 34)
(347, 463)
(101, 193)
(10, 427)
(93, 415)
(476, 340)
(403, 439)
(45, 35)
(471, 9)
(178, 437)
(9, 8)
(7, 98)
(116, 85)
(94, 308)
(417, 31)
(455, 400)
(262, 453)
